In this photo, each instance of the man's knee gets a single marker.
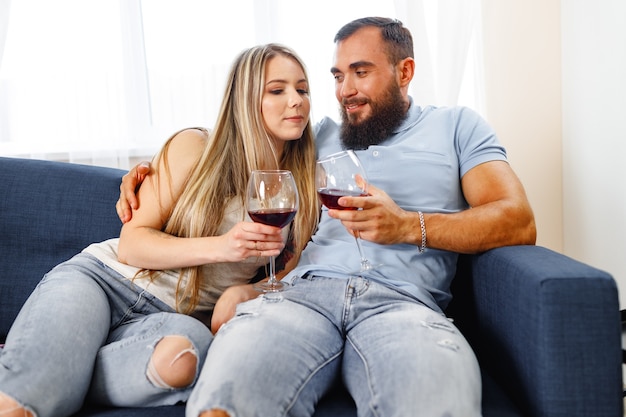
(174, 363)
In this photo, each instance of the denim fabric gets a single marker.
(396, 356)
(84, 323)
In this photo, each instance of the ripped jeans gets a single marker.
(395, 356)
(87, 332)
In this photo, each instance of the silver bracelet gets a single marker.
(421, 248)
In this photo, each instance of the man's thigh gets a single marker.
(409, 360)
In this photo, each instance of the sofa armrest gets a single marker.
(547, 328)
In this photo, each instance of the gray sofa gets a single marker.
(545, 327)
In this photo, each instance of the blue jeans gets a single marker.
(395, 356)
(87, 332)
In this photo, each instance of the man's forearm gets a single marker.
(478, 229)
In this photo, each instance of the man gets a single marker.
(439, 185)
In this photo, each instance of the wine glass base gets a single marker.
(271, 287)
(367, 267)
(272, 291)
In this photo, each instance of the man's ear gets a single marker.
(406, 70)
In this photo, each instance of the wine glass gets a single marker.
(335, 177)
(272, 199)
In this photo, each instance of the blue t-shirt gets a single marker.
(420, 167)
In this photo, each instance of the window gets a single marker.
(104, 82)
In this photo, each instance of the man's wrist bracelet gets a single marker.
(422, 247)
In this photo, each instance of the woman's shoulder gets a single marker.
(191, 136)
(187, 144)
(180, 154)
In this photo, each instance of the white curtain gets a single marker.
(5, 6)
(104, 82)
(447, 42)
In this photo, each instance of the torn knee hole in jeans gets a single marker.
(153, 374)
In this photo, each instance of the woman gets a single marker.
(116, 335)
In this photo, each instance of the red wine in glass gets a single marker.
(273, 217)
(337, 176)
(331, 196)
(272, 199)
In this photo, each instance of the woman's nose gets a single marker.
(295, 101)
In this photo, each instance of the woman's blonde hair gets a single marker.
(238, 144)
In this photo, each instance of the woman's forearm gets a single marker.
(148, 248)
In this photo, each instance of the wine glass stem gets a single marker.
(272, 280)
(364, 262)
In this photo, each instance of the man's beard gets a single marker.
(386, 115)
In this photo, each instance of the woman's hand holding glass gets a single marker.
(247, 239)
(272, 199)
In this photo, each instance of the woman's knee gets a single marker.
(215, 413)
(9, 407)
(174, 363)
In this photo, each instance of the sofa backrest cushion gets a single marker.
(49, 212)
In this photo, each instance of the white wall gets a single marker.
(523, 98)
(556, 94)
(594, 134)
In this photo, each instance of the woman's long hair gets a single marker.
(239, 144)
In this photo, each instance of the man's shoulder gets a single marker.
(462, 116)
(449, 111)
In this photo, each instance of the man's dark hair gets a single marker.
(397, 38)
